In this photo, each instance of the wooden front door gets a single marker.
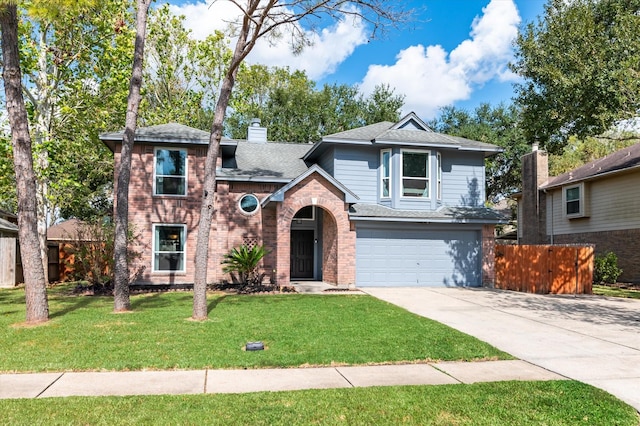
(302, 242)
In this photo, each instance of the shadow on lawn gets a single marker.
(156, 300)
(215, 302)
(71, 304)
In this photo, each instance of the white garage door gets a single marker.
(417, 256)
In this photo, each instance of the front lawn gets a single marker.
(84, 334)
(616, 291)
(500, 403)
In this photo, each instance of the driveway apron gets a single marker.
(593, 339)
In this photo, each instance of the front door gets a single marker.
(302, 253)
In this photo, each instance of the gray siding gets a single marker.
(613, 204)
(357, 169)
(326, 161)
(463, 178)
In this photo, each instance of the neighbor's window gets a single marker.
(385, 173)
(439, 176)
(169, 248)
(170, 171)
(249, 204)
(415, 174)
(574, 201)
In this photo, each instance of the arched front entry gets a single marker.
(306, 244)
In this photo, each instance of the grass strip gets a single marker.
(500, 403)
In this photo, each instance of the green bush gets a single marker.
(244, 261)
(605, 269)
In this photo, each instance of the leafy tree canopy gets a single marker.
(581, 67)
(496, 125)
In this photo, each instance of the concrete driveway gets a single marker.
(593, 339)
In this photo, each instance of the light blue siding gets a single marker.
(326, 161)
(417, 255)
(463, 179)
(357, 169)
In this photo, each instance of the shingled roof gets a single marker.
(442, 215)
(620, 161)
(270, 161)
(171, 133)
(408, 131)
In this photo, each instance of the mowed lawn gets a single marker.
(297, 330)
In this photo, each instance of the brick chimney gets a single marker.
(532, 211)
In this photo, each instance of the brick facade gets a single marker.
(488, 256)
(624, 243)
(269, 226)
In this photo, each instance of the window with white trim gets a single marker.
(574, 201)
(415, 173)
(439, 176)
(170, 171)
(169, 243)
(249, 204)
(385, 173)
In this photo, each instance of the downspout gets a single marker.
(551, 200)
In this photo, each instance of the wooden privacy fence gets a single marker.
(544, 269)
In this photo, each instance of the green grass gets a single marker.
(84, 334)
(500, 403)
(607, 290)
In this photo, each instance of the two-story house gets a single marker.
(389, 204)
(596, 203)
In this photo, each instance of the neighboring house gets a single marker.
(597, 203)
(9, 249)
(60, 238)
(388, 204)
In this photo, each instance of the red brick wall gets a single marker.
(488, 256)
(624, 243)
(339, 251)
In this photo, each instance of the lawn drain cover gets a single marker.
(255, 346)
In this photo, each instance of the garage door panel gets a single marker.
(417, 257)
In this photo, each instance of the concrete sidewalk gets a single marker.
(593, 339)
(43, 385)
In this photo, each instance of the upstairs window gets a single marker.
(415, 174)
(170, 172)
(574, 201)
(385, 173)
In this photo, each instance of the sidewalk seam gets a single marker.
(344, 377)
(206, 377)
(49, 385)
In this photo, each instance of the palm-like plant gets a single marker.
(244, 261)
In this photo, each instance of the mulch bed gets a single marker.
(107, 289)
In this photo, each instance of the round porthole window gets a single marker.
(249, 204)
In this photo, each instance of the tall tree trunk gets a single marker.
(34, 277)
(121, 263)
(200, 311)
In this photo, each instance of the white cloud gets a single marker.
(331, 46)
(430, 79)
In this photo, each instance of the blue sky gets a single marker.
(455, 53)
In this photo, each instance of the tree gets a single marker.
(581, 68)
(289, 104)
(260, 19)
(121, 265)
(496, 125)
(183, 75)
(34, 277)
(66, 82)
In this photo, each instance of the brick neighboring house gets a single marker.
(597, 203)
(386, 204)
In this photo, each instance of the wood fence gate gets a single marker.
(544, 269)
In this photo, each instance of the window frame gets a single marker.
(438, 176)
(156, 176)
(581, 200)
(244, 212)
(390, 173)
(427, 178)
(155, 243)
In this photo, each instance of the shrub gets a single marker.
(605, 269)
(90, 254)
(244, 261)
